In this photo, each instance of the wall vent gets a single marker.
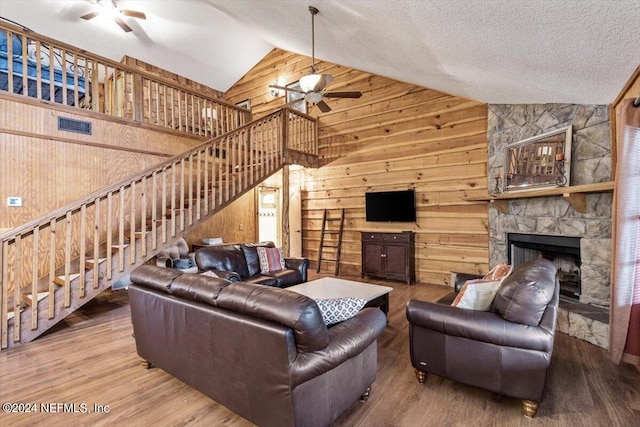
(72, 125)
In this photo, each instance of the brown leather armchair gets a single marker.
(506, 350)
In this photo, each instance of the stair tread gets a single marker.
(91, 262)
(60, 280)
(28, 298)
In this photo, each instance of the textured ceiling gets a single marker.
(497, 51)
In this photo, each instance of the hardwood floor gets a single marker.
(90, 359)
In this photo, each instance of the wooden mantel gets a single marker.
(574, 195)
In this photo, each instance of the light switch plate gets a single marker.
(14, 201)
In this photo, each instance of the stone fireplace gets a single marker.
(584, 237)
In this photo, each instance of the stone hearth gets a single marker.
(591, 163)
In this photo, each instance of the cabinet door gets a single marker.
(396, 259)
(372, 259)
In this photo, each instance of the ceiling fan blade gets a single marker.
(342, 94)
(286, 88)
(323, 106)
(90, 15)
(133, 14)
(123, 25)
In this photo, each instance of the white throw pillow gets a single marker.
(477, 294)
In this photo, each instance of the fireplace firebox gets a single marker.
(563, 251)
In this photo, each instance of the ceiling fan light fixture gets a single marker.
(313, 97)
(315, 82)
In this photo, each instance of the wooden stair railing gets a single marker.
(52, 265)
(92, 82)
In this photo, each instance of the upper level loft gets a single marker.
(36, 67)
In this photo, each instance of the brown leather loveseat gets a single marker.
(240, 262)
(506, 350)
(263, 352)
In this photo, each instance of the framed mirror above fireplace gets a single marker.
(540, 161)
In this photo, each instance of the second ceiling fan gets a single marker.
(313, 86)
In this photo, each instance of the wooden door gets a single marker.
(295, 222)
(396, 260)
(372, 258)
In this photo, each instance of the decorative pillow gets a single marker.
(271, 259)
(498, 272)
(209, 273)
(338, 310)
(477, 294)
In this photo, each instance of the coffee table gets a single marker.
(332, 287)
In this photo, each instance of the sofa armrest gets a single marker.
(478, 326)
(346, 340)
(231, 276)
(300, 264)
(164, 262)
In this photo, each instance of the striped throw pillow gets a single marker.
(271, 259)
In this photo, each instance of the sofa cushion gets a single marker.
(209, 273)
(224, 258)
(287, 308)
(524, 295)
(251, 255)
(336, 310)
(159, 279)
(271, 259)
(198, 287)
(477, 294)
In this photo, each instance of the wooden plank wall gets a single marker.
(397, 136)
(168, 75)
(49, 168)
(235, 223)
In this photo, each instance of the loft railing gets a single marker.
(50, 264)
(62, 74)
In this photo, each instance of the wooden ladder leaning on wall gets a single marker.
(333, 244)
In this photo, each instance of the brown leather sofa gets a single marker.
(239, 262)
(506, 350)
(263, 352)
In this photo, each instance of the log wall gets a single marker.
(396, 136)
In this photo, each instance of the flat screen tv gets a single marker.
(391, 206)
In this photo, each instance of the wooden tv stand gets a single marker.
(388, 255)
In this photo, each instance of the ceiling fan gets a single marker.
(313, 85)
(111, 9)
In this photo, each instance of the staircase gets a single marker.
(53, 265)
